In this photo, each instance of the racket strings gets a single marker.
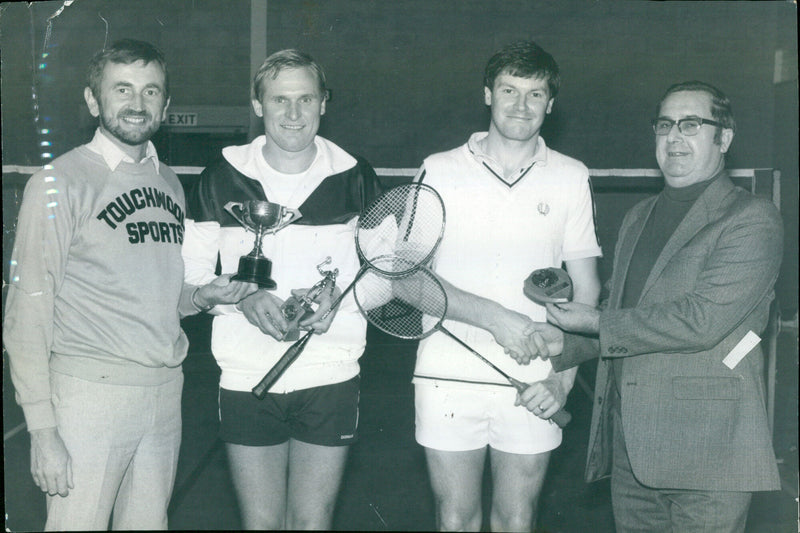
(409, 307)
(406, 222)
(398, 319)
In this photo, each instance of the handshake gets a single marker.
(552, 288)
(572, 317)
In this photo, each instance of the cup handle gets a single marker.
(230, 207)
(294, 214)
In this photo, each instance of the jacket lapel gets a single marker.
(701, 213)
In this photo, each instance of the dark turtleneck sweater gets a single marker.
(670, 209)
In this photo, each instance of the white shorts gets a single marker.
(455, 418)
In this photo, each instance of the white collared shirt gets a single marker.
(497, 233)
(114, 155)
(474, 146)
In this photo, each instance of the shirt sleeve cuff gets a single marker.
(185, 305)
(39, 415)
(576, 350)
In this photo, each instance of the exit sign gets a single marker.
(181, 119)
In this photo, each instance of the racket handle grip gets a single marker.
(260, 390)
(562, 418)
(520, 386)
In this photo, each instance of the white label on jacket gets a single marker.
(747, 343)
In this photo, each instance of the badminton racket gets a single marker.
(413, 306)
(395, 234)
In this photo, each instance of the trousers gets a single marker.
(123, 442)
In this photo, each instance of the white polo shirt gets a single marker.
(497, 233)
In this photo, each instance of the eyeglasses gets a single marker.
(687, 126)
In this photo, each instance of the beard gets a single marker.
(130, 134)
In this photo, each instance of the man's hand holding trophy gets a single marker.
(263, 217)
(298, 308)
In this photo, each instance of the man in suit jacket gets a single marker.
(679, 418)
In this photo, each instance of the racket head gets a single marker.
(406, 222)
(410, 306)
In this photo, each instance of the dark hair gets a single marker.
(287, 59)
(525, 59)
(721, 109)
(125, 51)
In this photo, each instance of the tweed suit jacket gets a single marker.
(689, 421)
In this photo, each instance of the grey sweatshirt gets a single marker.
(96, 277)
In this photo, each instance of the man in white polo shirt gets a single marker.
(513, 205)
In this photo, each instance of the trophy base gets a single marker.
(255, 270)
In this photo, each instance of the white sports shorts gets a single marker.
(455, 417)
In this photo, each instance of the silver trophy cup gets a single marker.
(261, 218)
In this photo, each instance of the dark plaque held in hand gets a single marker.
(548, 285)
